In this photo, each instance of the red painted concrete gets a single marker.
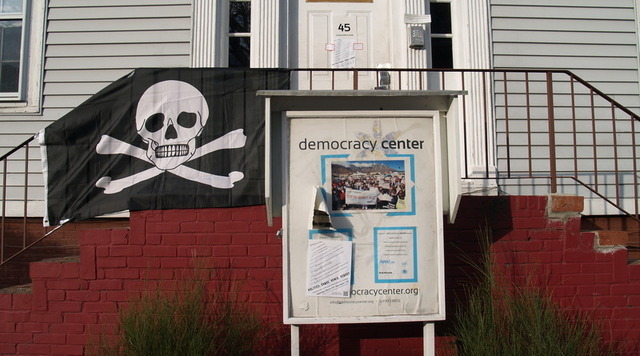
(70, 300)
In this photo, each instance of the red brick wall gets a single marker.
(71, 299)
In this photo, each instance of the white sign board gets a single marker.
(381, 258)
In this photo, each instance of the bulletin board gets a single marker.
(363, 235)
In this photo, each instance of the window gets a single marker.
(239, 33)
(11, 48)
(441, 35)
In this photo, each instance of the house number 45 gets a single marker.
(344, 27)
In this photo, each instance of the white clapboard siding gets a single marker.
(592, 39)
(88, 45)
(595, 39)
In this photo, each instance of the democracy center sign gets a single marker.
(363, 224)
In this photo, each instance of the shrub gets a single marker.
(502, 318)
(199, 318)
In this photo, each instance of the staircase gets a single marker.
(61, 244)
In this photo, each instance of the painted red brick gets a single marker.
(81, 318)
(529, 223)
(112, 284)
(88, 265)
(179, 239)
(83, 295)
(65, 307)
(46, 316)
(125, 251)
(69, 350)
(249, 262)
(99, 307)
(269, 250)
(160, 251)
(78, 339)
(46, 270)
(111, 262)
(5, 301)
(274, 262)
(117, 296)
(70, 270)
(249, 214)
(16, 316)
(31, 349)
(625, 289)
(67, 328)
(604, 278)
(215, 214)
(39, 296)
(249, 239)
(179, 215)
(596, 268)
(143, 262)
(196, 226)
(163, 227)
(604, 301)
(214, 239)
(578, 279)
(8, 348)
(194, 251)
(557, 251)
(154, 274)
(31, 327)
(103, 251)
(229, 250)
(20, 302)
(122, 273)
(580, 257)
(119, 236)
(181, 262)
(95, 238)
(9, 327)
(231, 226)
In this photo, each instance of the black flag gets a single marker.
(160, 139)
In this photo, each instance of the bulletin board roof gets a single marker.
(360, 99)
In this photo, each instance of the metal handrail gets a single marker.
(511, 130)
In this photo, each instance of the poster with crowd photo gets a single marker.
(371, 185)
(379, 174)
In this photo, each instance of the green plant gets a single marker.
(503, 318)
(201, 317)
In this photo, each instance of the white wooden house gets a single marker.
(55, 54)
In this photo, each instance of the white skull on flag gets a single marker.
(170, 116)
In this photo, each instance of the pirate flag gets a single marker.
(160, 139)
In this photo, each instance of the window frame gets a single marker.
(442, 35)
(14, 16)
(28, 98)
(228, 35)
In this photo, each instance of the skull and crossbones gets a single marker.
(169, 117)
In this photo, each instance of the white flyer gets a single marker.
(329, 268)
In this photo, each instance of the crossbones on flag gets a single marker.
(160, 139)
